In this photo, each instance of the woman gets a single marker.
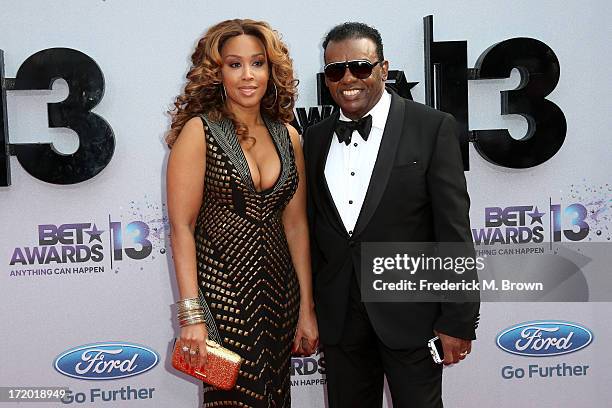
(236, 201)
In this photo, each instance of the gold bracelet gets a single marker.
(188, 322)
(188, 303)
(190, 314)
(190, 311)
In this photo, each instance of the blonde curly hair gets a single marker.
(203, 92)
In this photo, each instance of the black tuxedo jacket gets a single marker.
(417, 193)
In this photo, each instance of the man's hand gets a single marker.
(455, 349)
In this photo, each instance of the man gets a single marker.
(382, 169)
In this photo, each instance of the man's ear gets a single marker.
(384, 67)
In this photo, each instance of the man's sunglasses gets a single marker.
(361, 69)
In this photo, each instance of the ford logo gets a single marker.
(106, 361)
(544, 338)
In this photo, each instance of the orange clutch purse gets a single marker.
(221, 369)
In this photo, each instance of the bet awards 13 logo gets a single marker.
(526, 224)
(79, 243)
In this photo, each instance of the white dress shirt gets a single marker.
(348, 168)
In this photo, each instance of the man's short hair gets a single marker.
(355, 30)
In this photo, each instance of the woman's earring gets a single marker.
(275, 96)
(223, 93)
(275, 93)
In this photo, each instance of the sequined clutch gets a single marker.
(221, 369)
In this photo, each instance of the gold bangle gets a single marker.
(190, 314)
(188, 302)
(188, 322)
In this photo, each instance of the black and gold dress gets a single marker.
(245, 271)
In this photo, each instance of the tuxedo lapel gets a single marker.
(384, 162)
(324, 199)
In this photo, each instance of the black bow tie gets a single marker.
(344, 129)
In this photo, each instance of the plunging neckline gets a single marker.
(250, 182)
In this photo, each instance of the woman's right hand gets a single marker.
(193, 344)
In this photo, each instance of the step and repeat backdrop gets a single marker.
(86, 277)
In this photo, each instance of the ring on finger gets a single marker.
(193, 352)
(185, 349)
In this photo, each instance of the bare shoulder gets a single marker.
(191, 137)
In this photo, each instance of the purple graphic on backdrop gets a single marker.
(511, 225)
(137, 234)
(597, 201)
(63, 243)
(583, 216)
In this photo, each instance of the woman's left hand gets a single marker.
(306, 341)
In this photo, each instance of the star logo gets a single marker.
(536, 216)
(94, 233)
